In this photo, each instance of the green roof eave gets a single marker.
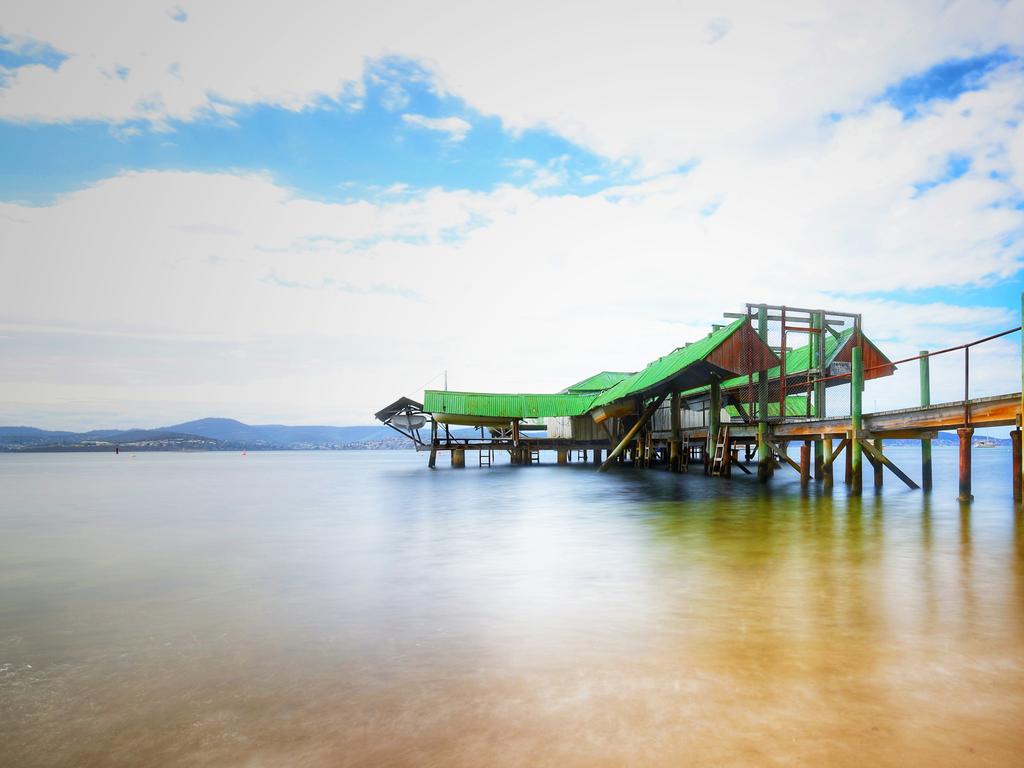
(501, 405)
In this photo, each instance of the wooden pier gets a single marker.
(754, 399)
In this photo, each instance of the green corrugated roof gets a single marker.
(501, 405)
(670, 365)
(599, 381)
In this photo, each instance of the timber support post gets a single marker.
(826, 469)
(458, 458)
(848, 460)
(805, 464)
(965, 435)
(563, 455)
(1015, 443)
(597, 455)
(640, 424)
(878, 465)
(856, 386)
(765, 466)
(433, 444)
(675, 449)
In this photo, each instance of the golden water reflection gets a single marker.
(358, 610)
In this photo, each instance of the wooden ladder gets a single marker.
(534, 456)
(485, 457)
(720, 459)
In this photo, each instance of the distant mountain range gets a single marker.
(203, 434)
(229, 435)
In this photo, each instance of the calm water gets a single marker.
(334, 609)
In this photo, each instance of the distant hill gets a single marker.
(204, 434)
(279, 434)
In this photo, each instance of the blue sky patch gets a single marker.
(14, 55)
(956, 166)
(944, 81)
(400, 132)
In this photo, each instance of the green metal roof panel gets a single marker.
(599, 381)
(668, 366)
(506, 405)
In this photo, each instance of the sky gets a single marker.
(298, 214)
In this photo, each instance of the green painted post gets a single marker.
(856, 387)
(764, 461)
(926, 443)
(762, 376)
(817, 361)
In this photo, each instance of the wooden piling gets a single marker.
(597, 456)
(965, 435)
(764, 459)
(433, 444)
(877, 465)
(826, 469)
(674, 457)
(805, 464)
(563, 455)
(848, 460)
(1015, 443)
(856, 392)
(458, 458)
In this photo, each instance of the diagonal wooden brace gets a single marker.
(877, 455)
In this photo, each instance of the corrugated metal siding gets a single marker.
(668, 366)
(500, 405)
(662, 420)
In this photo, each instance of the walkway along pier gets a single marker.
(765, 378)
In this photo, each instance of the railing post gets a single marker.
(856, 385)
(926, 443)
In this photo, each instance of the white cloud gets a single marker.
(455, 127)
(665, 83)
(199, 265)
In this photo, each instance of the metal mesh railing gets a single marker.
(976, 369)
(809, 344)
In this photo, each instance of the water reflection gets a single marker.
(356, 609)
